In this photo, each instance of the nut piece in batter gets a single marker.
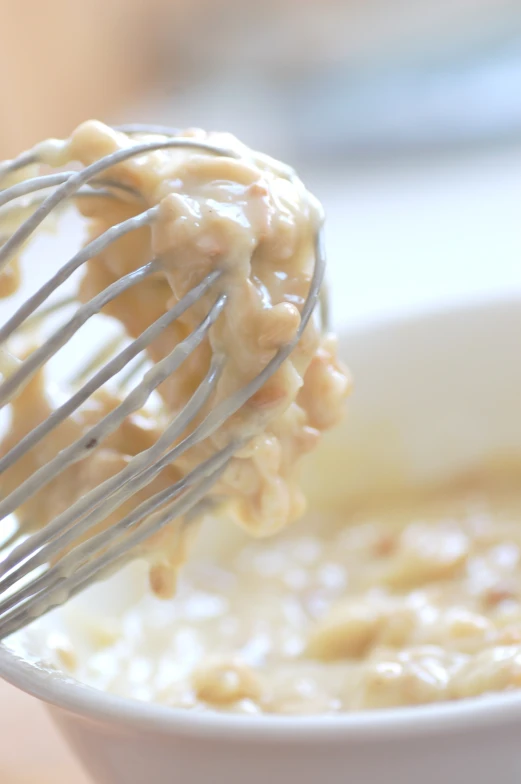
(250, 218)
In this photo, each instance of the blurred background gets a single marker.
(404, 116)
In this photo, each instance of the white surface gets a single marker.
(405, 237)
(435, 395)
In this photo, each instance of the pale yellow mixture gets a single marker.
(414, 599)
(250, 218)
(409, 600)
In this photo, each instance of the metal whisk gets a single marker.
(61, 559)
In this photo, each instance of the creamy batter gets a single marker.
(246, 217)
(407, 600)
(404, 600)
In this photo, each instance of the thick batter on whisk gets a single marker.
(249, 218)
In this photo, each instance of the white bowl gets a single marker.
(435, 394)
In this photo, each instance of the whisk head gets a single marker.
(63, 557)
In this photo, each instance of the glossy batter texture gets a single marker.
(247, 217)
(411, 600)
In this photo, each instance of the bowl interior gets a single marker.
(435, 395)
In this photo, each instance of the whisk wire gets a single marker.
(59, 338)
(116, 536)
(90, 250)
(206, 428)
(109, 423)
(64, 587)
(67, 551)
(105, 374)
(108, 496)
(73, 184)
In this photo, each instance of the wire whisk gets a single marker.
(68, 553)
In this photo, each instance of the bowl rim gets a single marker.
(444, 718)
(63, 691)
